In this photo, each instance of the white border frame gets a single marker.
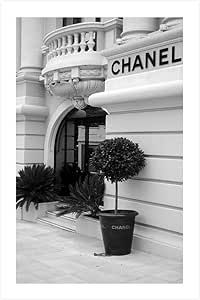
(190, 288)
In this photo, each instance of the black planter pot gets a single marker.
(117, 231)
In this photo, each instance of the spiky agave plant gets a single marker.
(85, 196)
(35, 184)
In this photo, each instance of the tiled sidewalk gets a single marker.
(50, 255)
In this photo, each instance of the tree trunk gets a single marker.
(116, 196)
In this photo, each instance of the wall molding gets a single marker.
(63, 109)
(158, 90)
(155, 38)
(32, 110)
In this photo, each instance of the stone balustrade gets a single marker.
(80, 38)
(72, 44)
(74, 66)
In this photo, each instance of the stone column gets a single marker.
(138, 27)
(171, 23)
(32, 30)
(31, 112)
(18, 43)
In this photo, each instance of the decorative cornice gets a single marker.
(97, 72)
(63, 83)
(151, 39)
(93, 58)
(113, 23)
(75, 88)
(65, 75)
(28, 77)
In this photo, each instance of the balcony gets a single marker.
(74, 66)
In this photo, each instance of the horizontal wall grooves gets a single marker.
(146, 202)
(146, 110)
(31, 134)
(142, 132)
(160, 229)
(32, 121)
(158, 181)
(156, 144)
(24, 149)
(161, 216)
(153, 121)
(164, 156)
(157, 192)
(24, 164)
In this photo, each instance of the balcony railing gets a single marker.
(72, 44)
(80, 38)
(74, 65)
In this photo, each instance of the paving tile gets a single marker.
(150, 279)
(64, 280)
(170, 276)
(26, 278)
(51, 255)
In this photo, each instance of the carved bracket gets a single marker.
(78, 89)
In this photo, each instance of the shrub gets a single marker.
(35, 184)
(68, 175)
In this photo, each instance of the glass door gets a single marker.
(77, 137)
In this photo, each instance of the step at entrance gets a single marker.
(66, 222)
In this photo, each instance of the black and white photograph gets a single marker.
(99, 148)
(99, 157)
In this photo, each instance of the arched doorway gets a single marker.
(78, 135)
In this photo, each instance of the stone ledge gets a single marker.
(33, 214)
(158, 90)
(32, 110)
(151, 39)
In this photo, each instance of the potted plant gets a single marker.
(35, 191)
(84, 197)
(85, 200)
(118, 159)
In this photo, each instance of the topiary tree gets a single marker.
(118, 159)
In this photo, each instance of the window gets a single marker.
(70, 21)
(76, 20)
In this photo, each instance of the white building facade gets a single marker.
(81, 80)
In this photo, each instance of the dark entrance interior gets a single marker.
(78, 135)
